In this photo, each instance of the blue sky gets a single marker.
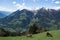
(12, 5)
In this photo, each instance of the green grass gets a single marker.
(40, 36)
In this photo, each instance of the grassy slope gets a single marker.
(41, 36)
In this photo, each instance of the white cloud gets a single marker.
(57, 2)
(6, 9)
(54, 7)
(20, 6)
(23, 4)
(57, 7)
(35, 7)
(14, 2)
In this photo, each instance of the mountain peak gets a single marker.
(24, 10)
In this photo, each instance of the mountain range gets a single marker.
(22, 19)
(4, 14)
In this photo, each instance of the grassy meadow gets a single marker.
(40, 36)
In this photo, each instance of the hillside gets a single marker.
(41, 36)
(17, 20)
(22, 19)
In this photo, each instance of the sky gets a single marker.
(13, 5)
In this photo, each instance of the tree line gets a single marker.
(33, 29)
